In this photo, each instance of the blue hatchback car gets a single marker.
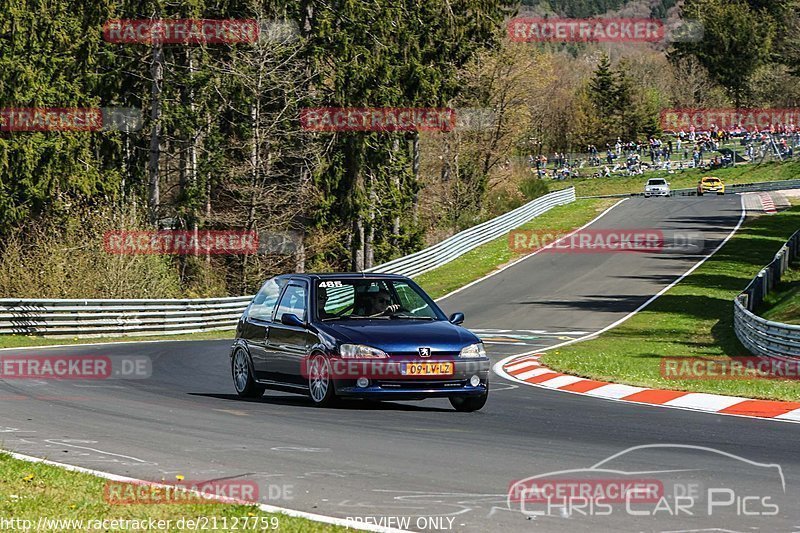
(375, 336)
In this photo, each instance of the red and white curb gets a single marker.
(529, 370)
(767, 203)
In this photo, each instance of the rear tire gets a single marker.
(320, 382)
(469, 404)
(242, 373)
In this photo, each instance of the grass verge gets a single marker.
(693, 319)
(748, 173)
(25, 341)
(484, 259)
(783, 305)
(34, 491)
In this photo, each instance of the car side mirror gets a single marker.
(456, 318)
(290, 319)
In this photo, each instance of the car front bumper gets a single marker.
(393, 385)
(659, 192)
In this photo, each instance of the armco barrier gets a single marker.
(96, 317)
(469, 239)
(119, 317)
(764, 337)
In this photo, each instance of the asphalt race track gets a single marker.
(424, 459)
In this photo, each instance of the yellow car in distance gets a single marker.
(710, 184)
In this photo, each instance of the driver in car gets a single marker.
(381, 304)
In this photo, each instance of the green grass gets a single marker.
(25, 341)
(29, 491)
(783, 304)
(694, 318)
(746, 173)
(484, 259)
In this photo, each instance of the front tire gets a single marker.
(243, 380)
(469, 404)
(320, 382)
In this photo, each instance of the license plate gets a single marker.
(429, 369)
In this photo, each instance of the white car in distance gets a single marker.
(656, 187)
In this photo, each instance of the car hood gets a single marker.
(401, 336)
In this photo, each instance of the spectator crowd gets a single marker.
(714, 148)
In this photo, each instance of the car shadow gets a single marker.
(342, 404)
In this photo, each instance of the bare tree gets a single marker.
(269, 189)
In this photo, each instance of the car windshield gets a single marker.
(656, 182)
(711, 180)
(352, 299)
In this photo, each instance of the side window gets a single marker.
(293, 301)
(264, 302)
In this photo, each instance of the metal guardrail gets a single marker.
(760, 336)
(437, 255)
(98, 317)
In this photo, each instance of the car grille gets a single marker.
(416, 384)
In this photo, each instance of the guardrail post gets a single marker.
(759, 289)
(777, 267)
(794, 246)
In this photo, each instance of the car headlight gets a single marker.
(473, 350)
(360, 351)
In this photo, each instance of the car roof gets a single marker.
(345, 275)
